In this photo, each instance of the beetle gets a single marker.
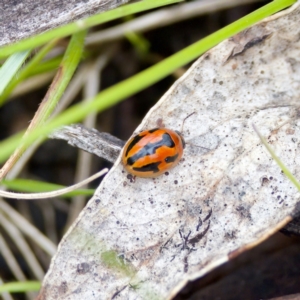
(153, 152)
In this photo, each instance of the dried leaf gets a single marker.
(145, 238)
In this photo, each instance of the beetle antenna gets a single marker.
(185, 119)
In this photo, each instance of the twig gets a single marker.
(99, 143)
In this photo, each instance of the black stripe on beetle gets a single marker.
(151, 148)
(153, 130)
(171, 159)
(136, 139)
(153, 167)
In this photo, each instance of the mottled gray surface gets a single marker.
(20, 19)
(145, 238)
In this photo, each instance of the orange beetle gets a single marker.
(153, 152)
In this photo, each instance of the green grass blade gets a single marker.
(11, 67)
(31, 65)
(138, 41)
(136, 83)
(35, 186)
(19, 287)
(77, 26)
(281, 165)
(49, 65)
(67, 68)
(64, 74)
